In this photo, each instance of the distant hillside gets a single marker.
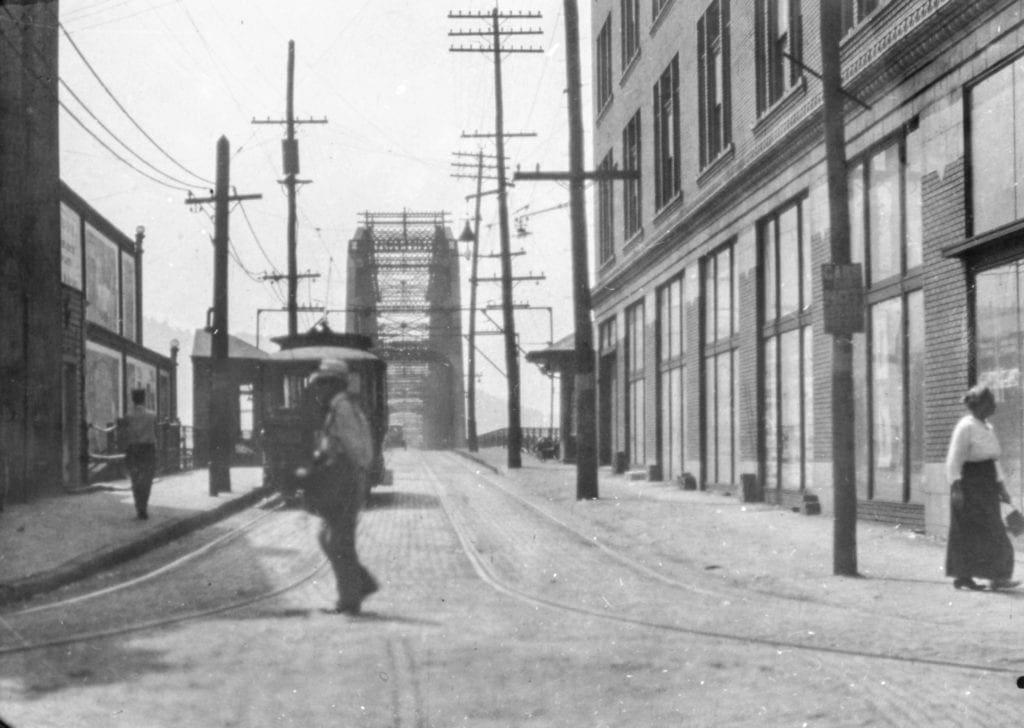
(492, 414)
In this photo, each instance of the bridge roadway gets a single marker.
(502, 605)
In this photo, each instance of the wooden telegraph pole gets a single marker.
(843, 298)
(586, 390)
(221, 403)
(515, 433)
(291, 169)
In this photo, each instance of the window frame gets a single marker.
(606, 212)
(773, 81)
(604, 87)
(713, 347)
(714, 82)
(629, 32)
(632, 192)
(667, 182)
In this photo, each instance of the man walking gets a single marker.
(139, 429)
(335, 488)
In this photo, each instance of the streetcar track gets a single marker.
(27, 646)
(485, 573)
(221, 540)
(721, 590)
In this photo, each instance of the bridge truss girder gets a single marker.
(403, 290)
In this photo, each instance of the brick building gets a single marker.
(30, 293)
(713, 361)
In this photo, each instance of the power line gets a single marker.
(123, 109)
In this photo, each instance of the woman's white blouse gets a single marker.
(973, 441)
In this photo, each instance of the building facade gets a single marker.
(103, 356)
(30, 290)
(713, 359)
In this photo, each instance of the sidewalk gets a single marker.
(761, 546)
(54, 541)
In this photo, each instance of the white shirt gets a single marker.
(973, 441)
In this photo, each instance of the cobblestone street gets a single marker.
(506, 602)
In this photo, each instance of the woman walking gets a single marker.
(978, 545)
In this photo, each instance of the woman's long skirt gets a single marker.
(978, 544)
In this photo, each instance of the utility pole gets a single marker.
(221, 403)
(586, 389)
(471, 441)
(843, 297)
(515, 434)
(290, 149)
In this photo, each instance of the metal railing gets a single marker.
(531, 437)
(175, 445)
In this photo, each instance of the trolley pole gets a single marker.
(221, 402)
(471, 435)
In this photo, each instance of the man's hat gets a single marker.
(336, 368)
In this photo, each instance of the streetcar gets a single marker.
(281, 379)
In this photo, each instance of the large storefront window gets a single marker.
(608, 390)
(719, 361)
(671, 377)
(996, 108)
(885, 214)
(635, 393)
(786, 340)
(999, 352)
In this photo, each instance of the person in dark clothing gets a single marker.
(978, 545)
(139, 430)
(336, 482)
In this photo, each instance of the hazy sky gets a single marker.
(397, 101)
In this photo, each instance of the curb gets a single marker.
(84, 566)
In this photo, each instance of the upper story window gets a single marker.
(855, 11)
(603, 55)
(996, 108)
(606, 213)
(630, 30)
(666, 135)
(778, 25)
(631, 188)
(713, 81)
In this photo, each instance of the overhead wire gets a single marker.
(131, 118)
(181, 185)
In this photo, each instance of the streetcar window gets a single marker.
(293, 387)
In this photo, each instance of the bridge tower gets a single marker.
(403, 290)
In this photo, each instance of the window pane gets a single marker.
(998, 331)
(887, 399)
(675, 401)
(914, 172)
(709, 299)
(915, 390)
(808, 346)
(884, 214)
(855, 191)
(725, 418)
(711, 422)
(769, 258)
(806, 262)
(860, 414)
(789, 262)
(790, 407)
(992, 179)
(724, 294)
(771, 414)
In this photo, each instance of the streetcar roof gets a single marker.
(315, 354)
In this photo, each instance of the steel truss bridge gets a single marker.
(403, 290)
